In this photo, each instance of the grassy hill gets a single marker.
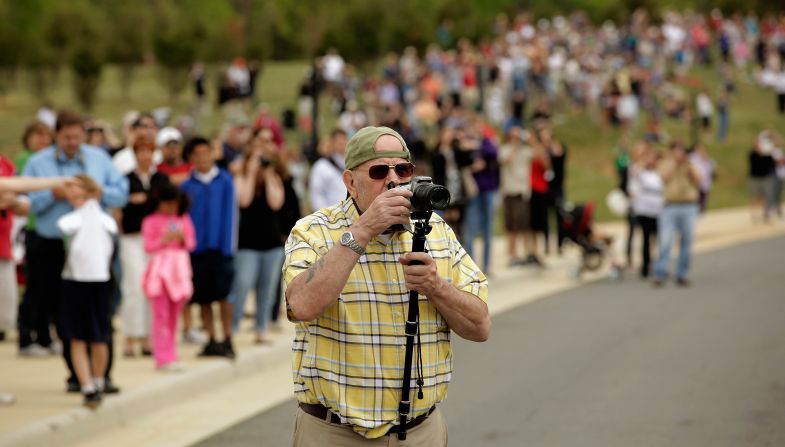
(590, 173)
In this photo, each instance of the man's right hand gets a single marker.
(389, 208)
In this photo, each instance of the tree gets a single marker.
(128, 39)
(175, 48)
(10, 55)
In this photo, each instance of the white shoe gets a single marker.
(194, 336)
(174, 367)
(34, 350)
(56, 348)
(7, 399)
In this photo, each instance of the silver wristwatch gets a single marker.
(347, 240)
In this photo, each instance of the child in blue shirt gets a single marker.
(211, 193)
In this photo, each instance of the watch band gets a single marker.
(351, 243)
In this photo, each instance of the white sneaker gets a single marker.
(7, 399)
(194, 336)
(174, 367)
(34, 350)
(56, 348)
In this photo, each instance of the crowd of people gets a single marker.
(161, 205)
(142, 230)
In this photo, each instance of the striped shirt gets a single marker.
(350, 359)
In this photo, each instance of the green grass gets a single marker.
(277, 87)
(590, 173)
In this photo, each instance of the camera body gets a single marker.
(426, 195)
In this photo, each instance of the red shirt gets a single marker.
(182, 168)
(538, 182)
(6, 216)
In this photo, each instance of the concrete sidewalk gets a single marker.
(212, 394)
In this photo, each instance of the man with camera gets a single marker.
(681, 181)
(348, 272)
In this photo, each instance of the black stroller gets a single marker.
(576, 225)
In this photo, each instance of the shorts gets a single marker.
(84, 311)
(516, 213)
(213, 274)
(760, 187)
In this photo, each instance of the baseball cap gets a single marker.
(360, 147)
(166, 135)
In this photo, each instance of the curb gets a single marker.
(74, 424)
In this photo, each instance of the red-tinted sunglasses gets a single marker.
(379, 172)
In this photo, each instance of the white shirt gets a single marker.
(646, 189)
(333, 67)
(88, 230)
(208, 176)
(325, 183)
(240, 77)
(516, 175)
(705, 107)
(125, 160)
(627, 107)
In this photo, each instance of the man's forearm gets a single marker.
(317, 288)
(465, 313)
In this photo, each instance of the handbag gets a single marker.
(470, 189)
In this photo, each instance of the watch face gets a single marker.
(346, 237)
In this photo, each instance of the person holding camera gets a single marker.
(257, 264)
(681, 181)
(348, 274)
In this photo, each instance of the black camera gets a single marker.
(427, 196)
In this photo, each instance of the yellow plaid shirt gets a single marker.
(350, 359)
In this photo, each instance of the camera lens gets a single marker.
(440, 198)
(428, 196)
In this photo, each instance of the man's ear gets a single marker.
(348, 181)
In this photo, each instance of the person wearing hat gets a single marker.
(347, 278)
(170, 142)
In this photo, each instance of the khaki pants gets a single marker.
(310, 431)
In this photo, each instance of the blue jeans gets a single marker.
(679, 217)
(479, 219)
(261, 270)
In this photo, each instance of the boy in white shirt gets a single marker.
(86, 288)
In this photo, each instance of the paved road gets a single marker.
(620, 364)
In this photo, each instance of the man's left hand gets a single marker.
(422, 278)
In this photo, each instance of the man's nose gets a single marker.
(392, 175)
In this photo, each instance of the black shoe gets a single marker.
(227, 349)
(2, 335)
(682, 282)
(92, 400)
(658, 283)
(534, 260)
(110, 388)
(147, 352)
(212, 349)
(72, 386)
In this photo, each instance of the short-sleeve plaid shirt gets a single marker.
(350, 359)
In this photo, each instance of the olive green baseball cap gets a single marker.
(361, 147)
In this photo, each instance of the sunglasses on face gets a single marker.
(379, 172)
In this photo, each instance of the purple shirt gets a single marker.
(488, 178)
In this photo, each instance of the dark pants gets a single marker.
(649, 228)
(630, 235)
(44, 260)
(44, 265)
(781, 102)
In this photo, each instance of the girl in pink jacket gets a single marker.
(168, 236)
